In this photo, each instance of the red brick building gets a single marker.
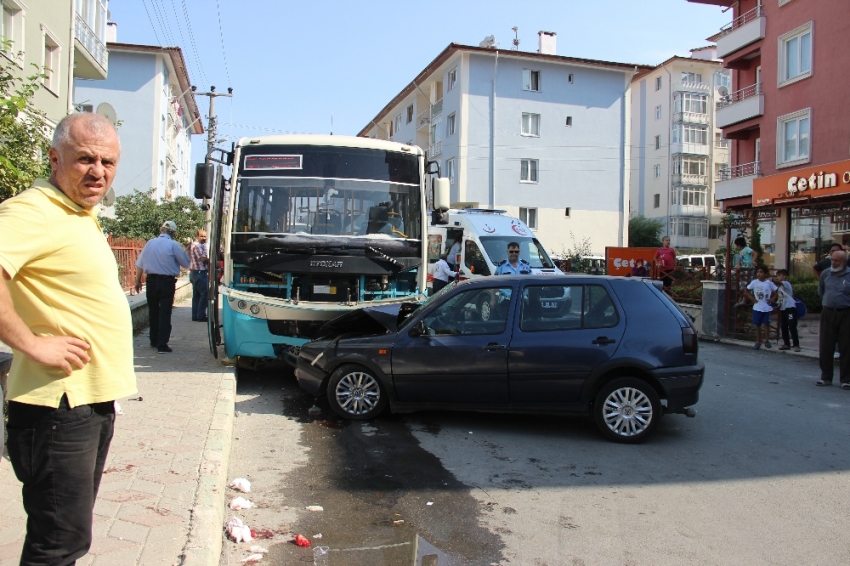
(788, 116)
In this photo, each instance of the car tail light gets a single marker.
(689, 340)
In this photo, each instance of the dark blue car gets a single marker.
(614, 348)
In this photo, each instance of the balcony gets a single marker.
(688, 86)
(690, 210)
(690, 117)
(435, 149)
(429, 114)
(91, 59)
(690, 148)
(742, 31)
(737, 181)
(689, 179)
(740, 105)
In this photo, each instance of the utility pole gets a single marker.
(212, 127)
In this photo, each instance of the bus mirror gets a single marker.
(442, 193)
(204, 180)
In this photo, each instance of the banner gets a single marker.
(620, 261)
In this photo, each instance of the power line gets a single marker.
(156, 35)
(221, 35)
(198, 61)
(179, 28)
(161, 24)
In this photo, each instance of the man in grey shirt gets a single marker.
(834, 290)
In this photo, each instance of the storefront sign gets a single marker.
(740, 221)
(840, 217)
(820, 210)
(812, 182)
(620, 261)
(763, 214)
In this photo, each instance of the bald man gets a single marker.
(63, 312)
(834, 290)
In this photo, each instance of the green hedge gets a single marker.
(808, 293)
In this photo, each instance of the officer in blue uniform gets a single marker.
(513, 265)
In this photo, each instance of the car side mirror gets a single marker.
(419, 329)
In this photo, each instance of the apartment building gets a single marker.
(148, 93)
(788, 122)
(541, 136)
(677, 150)
(64, 37)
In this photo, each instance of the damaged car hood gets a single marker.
(370, 320)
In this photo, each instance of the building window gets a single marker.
(162, 128)
(689, 166)
(689, 227)
(11, 28)
(691, 77)
(690, 196)
(723, 79)
(529, 216)
(51, 64)
(569, 121)
(657, 83)
(690, 134)
(658, 112)
(450, 170)
(567, 212)
(795, 55)
(687, 102)
(397, 123)
(713, 232)
(528, 170)
(657, 170)
(570, 78)
(530, 124)
(793, 142)
(452, 80)
(656, 200)
(162, 171)
(450, 125)
(658, 142)
(410, 114)
(531, 80)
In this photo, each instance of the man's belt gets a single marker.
(155, 275)
(833, 309)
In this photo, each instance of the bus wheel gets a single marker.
(355, 393)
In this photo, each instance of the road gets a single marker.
(760, 476)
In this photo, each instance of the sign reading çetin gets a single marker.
(813, 182)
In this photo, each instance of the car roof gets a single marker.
(537, 279)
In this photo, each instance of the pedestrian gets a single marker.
(834, 291)
(161, 260)
(199, 262)
(826, 262)
(787, 311)
(665, 260)
(442, 274)
(513, 265)
(454, 253)
(63, 312)
(761, 291)
(640, 270)
(745, 257)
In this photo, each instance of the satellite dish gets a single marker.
(109, 198)
(722, 91)
(488, 42)
(107, 111)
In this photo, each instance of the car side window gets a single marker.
(476, 311)
(474, 259)
(551, 307)
(598, 309)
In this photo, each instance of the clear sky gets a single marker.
(293, 64)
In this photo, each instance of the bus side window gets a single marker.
(474, 259)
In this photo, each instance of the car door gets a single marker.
(460, 355)
(563, 332)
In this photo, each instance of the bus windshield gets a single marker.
(529, 249)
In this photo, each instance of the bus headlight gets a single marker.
(255, 309)
(241, 305)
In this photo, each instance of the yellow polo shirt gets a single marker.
(65, 283)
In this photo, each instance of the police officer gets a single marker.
(513, 265)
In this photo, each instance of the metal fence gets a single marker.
(685, 282)
(126, 252)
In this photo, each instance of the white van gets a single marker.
(485, 235)
(698, 261)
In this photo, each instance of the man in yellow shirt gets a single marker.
(68, 322)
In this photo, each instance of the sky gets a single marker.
(303, 66)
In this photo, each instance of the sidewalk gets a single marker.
(808, 330)
(161, 499)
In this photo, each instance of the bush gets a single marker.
(808, 293)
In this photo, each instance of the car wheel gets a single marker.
(485, 309)
(627, 410)
(355, 393)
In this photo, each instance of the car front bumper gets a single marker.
(310, 377)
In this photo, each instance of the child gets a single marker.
(763, 292)
(746, 257)
(787, 311)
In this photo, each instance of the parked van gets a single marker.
(698, 261)
(485, 235)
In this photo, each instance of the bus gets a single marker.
(311, 227)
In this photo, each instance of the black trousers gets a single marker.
(159, 291)
(834, 329)
(58, 455)
(788, 325)
(438, 285)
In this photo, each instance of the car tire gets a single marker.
(485, 309)
(356, 393)
(627, 410)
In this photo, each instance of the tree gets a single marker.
(644, 232)
(139, 216)
(24, 133)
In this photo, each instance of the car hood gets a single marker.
(370, 320)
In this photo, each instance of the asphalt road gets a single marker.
(760, 476)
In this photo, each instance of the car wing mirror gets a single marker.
(419, 329)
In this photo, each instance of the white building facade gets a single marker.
(677, 150)
(536, 134)
(148, 94)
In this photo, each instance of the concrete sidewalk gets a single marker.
(161, 499)
(808, 330)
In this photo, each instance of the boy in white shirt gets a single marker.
(761, 291)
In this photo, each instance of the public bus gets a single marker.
(311, 227)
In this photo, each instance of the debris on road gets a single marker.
(301, 540)
(398, 522)
(315, 508)
(429, 503)
(238, 531)
(258, 550)
(240, 503)
(241, 484)
(253, 559)
(317, 535)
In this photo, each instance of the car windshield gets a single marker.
(424, 304)
(529, 249)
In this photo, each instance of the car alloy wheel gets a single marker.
(486, 311)
(354, 393)
(627, 410)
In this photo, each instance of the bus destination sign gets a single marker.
(259, 162)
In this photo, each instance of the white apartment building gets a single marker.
(677, 150)
(541, 136)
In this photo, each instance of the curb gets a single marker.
(804, 353)
(203, 547)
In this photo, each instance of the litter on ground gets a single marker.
(315, 508)
(239, 503)
(301, 540)
(258, 550)
(253, 559)
(317, 535)
(238, 531)
(241, 484)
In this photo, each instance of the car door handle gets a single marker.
(492, 346)
(603, 341)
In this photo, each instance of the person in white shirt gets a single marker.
(454, 251)
(442, 272)
(763, 293)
